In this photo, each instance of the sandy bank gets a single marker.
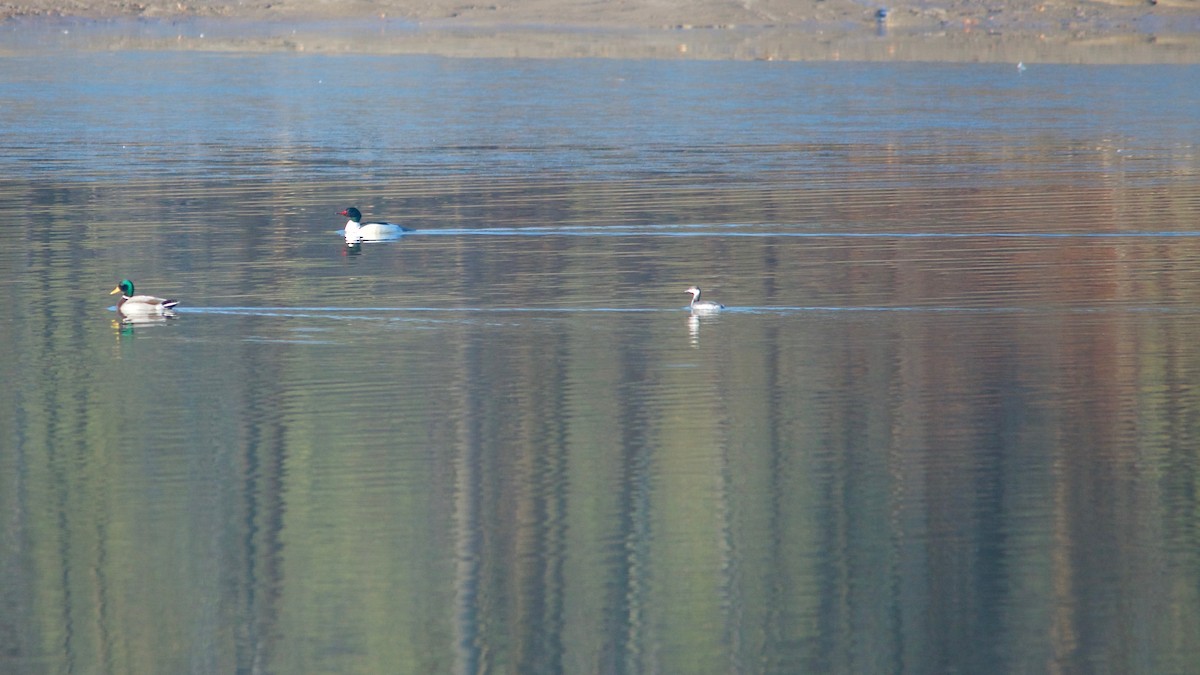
(952, 30)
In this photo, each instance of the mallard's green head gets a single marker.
(124, 288)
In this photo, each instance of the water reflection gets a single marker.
(694, 321)
(128, 322)
(949, 426)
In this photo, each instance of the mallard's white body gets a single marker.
(131, 304)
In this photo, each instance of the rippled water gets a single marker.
(947, 424)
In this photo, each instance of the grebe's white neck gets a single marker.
(702, 306)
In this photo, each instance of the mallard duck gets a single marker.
(140, 304)
(702, 306)
(358, 231)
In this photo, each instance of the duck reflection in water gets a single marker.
(126, 325)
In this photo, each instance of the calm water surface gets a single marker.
(949, 423)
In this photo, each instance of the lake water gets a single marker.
(949, 422)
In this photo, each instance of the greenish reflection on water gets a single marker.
(915, 442)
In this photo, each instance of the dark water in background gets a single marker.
(948, 424)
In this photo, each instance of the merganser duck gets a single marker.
(701, 306)
(140, 304)
(358, 231)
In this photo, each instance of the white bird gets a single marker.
(702, 306)
(131, 304)
(358, 231)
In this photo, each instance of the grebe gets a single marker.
(699, 305)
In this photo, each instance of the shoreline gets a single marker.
(809, 30)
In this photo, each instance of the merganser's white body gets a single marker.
(699, 306)
(357, 231)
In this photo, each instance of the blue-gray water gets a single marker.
(949, 423)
